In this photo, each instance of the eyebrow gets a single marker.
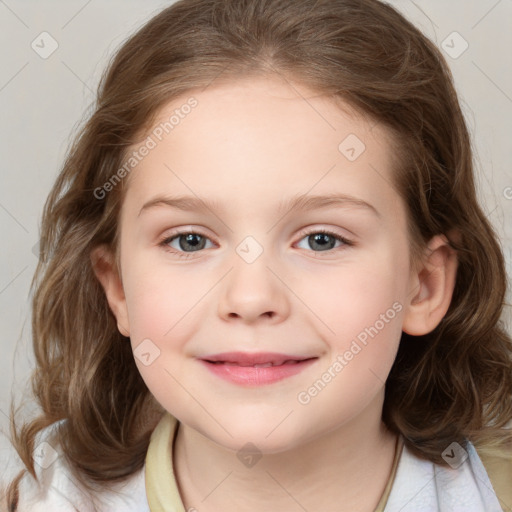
(302, 202)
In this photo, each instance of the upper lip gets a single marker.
(249, 359)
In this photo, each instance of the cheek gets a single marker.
(355, 295)
(159, 329)
(360, 309)
(157, 299)
(364, 335)
(163, 309)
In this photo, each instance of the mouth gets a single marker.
(257, 368)
(258, 365)
(257, 359)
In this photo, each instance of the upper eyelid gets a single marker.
(302, 233)
(182, 232)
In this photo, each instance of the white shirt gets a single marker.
(419, 485)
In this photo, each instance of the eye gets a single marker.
(321, 240)
(188, 242)
(185, 242)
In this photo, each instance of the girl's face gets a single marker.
(256, 276)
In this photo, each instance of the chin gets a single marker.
(264, 436)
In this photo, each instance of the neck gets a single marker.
(346, 469)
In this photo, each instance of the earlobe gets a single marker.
(105, 269)
(431, 288)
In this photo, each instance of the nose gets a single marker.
(253, 292)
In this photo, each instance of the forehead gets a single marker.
(264, 136)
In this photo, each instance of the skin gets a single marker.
(249, 144)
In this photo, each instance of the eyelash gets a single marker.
(168, 239)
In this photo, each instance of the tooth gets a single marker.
(261, 365)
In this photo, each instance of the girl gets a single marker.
(265, 282)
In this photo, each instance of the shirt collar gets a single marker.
(161, 487)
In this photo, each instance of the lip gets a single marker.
(238, 367)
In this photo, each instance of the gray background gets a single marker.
(43, 99)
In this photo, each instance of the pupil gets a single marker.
(322, 240)
(192, 241)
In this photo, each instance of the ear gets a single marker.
(105, 269)
(432, 286)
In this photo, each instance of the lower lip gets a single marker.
(251, 376)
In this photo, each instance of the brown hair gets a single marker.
(450, 385)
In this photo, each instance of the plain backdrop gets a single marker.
(43, 98)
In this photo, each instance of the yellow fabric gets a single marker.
(499, 471)
(162, 489)
(398, 452)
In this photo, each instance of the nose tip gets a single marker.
(251, 293)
